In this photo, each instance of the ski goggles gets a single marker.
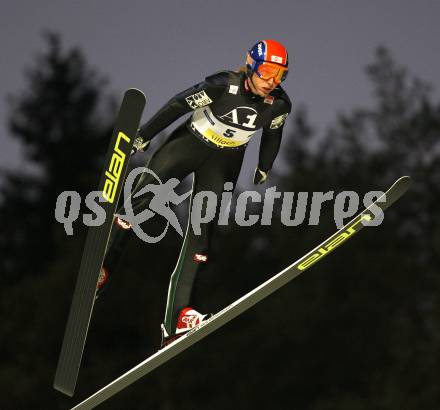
(266, 71)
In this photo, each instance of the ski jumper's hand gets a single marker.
(260, 176)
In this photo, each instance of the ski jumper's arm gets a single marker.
(204, 93)
(272, 133)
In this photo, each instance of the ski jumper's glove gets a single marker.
(140, 144)
(260, 176)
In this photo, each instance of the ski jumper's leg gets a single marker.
(222, 166)
(176, 158)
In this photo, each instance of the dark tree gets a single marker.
(62, 124)
(62, 121)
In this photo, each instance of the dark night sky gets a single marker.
(164, 47)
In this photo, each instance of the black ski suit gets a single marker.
(210, 144)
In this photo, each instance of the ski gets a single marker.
(111, 182)
(250, 299)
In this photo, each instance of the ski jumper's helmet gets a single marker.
(268, 59)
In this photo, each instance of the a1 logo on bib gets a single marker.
(244, 116)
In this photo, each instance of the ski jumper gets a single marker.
(210, 144)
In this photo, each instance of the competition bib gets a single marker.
(215, 131)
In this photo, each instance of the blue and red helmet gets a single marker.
(268, 59)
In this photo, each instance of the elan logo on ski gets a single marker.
(329, 246)
(114, 169)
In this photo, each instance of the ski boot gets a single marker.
(188, 319)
